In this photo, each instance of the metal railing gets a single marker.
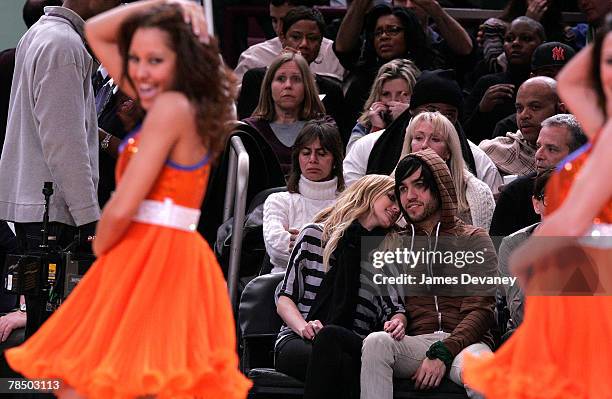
(235, 205)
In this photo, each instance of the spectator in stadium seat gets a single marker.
(547, 60)
(314, 182)
(441, 329)
(595, 11)
(560, 135)
(390, 33)
(514, 154)
(380, 151)
(288, 99)
(439, 25)
(547, 12)
(326, 312)
(433, 130)
(443, 29)
(389, 98)
(493, 95)
(302, 31)
(262, 54)
(515, 297)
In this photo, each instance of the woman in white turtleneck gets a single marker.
(314, 182)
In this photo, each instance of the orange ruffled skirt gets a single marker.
(563, 350)
(152, 316)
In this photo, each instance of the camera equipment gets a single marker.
(49, 272)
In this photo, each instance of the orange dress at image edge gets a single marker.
(563, 348)
(151, 316)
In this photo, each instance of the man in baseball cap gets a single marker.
(548, 58)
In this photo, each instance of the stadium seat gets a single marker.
(259, 325)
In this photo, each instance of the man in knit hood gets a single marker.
(441, 329)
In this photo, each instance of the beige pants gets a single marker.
(383, 358)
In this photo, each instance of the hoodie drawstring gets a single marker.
(440, 330)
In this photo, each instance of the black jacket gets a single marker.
(514, 209)
(336, 302)
(388, 148)
(264, 172)
(480, 125)
(508, 124)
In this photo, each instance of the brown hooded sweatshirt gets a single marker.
(468, 319)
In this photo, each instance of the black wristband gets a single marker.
(439, 351)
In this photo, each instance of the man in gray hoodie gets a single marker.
(52, 133)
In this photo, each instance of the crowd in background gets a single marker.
(330, 111)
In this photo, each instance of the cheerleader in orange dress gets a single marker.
(152, 316)
(563, 349)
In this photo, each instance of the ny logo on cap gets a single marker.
(558, 54)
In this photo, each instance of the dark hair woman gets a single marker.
(314, 182)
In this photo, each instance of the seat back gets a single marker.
(261, 197)
(253, 250)
(258, 321)
(264, 172)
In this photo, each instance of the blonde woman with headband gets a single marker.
(320, 295)
(474, 198)
(389, 98)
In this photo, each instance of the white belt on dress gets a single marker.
(167, 213)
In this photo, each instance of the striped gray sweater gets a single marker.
(305, 273)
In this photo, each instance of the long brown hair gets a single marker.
(311, 107)
(200, 73)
